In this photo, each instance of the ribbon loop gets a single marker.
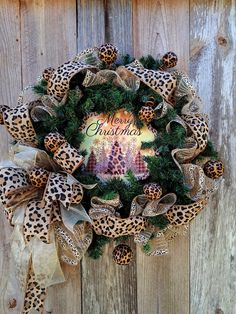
(74, 244)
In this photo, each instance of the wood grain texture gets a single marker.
(91, 23)
(48, 35)
(65, 298)
(119, 25)
(213, 240)
(161, 26)
(108, 287)
(10, 86)
(163, 282)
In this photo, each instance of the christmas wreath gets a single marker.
(109, 149)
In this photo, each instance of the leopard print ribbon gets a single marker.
(107, 222)
(18, 123)
(161, 82)
(14, 189)
(59, 79)
(65, 155)
(33, 267)
(182, 214)
(184, 86)
(89, 56)
(68, 157)
(199, 185)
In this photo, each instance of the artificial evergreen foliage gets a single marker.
(125, 59)
(41, 87)
(159, 221)
(122, 239)
(150, 63)
(209, 151)
(95, 250)
(146, 248)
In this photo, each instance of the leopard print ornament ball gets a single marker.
(146, 114)
(152, 190)
(213, 169)
(122, 254)
(107, 53)
(169, 60)
(53, 141)
(38, 177)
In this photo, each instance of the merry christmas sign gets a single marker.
(113, 143)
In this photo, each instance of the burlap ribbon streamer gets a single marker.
(152, 236)
(121, 77)
(35, 216)
(74, 244)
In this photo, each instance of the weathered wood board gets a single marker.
(213, 239)
(198, 276)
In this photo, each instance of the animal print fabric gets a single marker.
(35, 294)
(18, 123)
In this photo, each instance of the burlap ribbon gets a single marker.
(152, 236)
(121, 77)
(36, 214)
(199, 185)
(18, 120)
(73, 245)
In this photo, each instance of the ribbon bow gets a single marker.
(42, 212)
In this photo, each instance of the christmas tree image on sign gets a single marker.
(113, 143)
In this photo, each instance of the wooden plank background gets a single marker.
(199, 274)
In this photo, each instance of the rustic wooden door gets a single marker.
(198, 276)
